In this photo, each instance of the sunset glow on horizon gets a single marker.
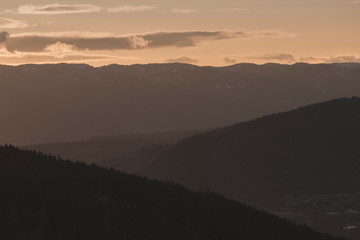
(199, 32)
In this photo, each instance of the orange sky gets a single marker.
(199, 32)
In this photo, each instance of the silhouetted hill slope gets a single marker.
(68, 102)
(311, 150)
(126, 152)
(46, 198)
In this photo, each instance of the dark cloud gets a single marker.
(35, 42)
(3, 37)
(38, 42)
(229, 60)
(182, 59)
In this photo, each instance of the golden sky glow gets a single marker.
(203, 32)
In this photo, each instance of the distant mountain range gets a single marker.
(45, 197)
(312, 151)
(67, 102)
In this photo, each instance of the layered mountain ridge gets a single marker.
(68, 102)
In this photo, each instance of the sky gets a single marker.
(201, 32)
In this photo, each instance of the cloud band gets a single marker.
(57, 9)
(36, 42)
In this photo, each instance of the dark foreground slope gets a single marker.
(71, 102)
(46, 198)
(311, 150)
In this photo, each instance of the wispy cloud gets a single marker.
(128, 9)
(182, 10)
(274, 57)
(20, 58)
(289, 58)
(103, 41)
(136, 42)
(57, 8)
(48, 23)
(7, 23)
(182, 59)
(55, 53)
(232, 9)
(332, 59)
(60, 47)
(274, 33)
(354, 2)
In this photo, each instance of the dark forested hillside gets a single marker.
(311, 150)
(68, 102)
(43, 197)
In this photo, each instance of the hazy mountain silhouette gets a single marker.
(303, 164)
(300, 155)
(310, 150)
(66, 102)
(44, 197)
(126, 152)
